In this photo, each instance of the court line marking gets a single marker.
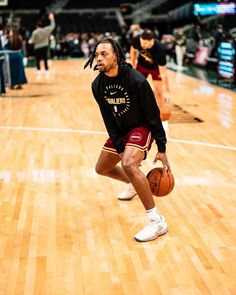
(62, 130)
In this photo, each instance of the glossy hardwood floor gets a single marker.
(63, 231)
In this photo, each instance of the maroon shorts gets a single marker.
(139, 138)
(155, 73)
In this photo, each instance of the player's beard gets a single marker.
(104, 68)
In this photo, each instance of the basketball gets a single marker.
(160, 185)
(165, 112)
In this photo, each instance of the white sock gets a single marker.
(152, 214)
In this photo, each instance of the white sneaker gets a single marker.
(47, 73)
(39, 73)
(127, 194)
(152, 230)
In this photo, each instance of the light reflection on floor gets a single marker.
(41, 176)
(50, 176)
(225, 103)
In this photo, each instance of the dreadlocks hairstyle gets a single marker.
(117, 49)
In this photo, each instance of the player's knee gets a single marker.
(128, 167)
(100, 170)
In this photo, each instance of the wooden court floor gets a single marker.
(63, 230)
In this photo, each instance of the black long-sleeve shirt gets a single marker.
(127, 101)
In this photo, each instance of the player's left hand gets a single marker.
(164, 160)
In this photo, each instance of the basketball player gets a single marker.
(132, 118)
(151, 60)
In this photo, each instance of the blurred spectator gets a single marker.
(168, 42)
(75, 46)
(1, 34)
(219, 35)
(156, 32)
(180, 42)
(17, 72)
(2, 82)
(197, 34)
(92, 42)
(123, 40)
(84, 45)
(134, 31)
(53, 46)
(40, 39)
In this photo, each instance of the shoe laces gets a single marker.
(151, 226)
(153, 222)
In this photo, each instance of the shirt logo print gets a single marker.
(147, 56)
(120, 103)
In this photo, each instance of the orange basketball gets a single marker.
(165, 111)
(160, 185)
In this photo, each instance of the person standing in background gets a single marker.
(13, 49)
(2, 82)
(180, 48)
(151, 60)
(40, 40)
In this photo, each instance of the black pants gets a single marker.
(41, 54)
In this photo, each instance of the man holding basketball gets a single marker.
(132, 119)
